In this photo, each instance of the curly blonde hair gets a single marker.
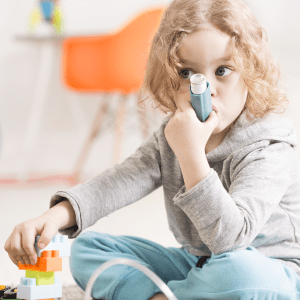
(250, 52)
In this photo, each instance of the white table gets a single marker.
(48, 45)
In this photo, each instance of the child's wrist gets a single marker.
(194, 170)
(62, 214)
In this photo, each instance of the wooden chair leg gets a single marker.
(96, 125)
(119, 129)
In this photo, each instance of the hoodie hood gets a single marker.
(244, 133)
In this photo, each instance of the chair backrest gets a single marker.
(113, 62)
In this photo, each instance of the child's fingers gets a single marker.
(20, 259)
(26, 259)
(15, 250)
(14, 260)
(15, 246)
(212, 120)
(49, 231)
(186, 105)
(28, 239)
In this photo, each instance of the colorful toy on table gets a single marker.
(40, 281)
(47, 12)
(8, 293)
(3, 289)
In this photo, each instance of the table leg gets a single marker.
(37, 108)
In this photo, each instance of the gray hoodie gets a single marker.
(250, 197)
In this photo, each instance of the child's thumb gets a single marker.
(213, 119)
(46, 236)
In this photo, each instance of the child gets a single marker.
(231, 184)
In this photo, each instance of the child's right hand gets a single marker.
(20, 244)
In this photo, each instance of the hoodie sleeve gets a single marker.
(228, 221)
(115, 188)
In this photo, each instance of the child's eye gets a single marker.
(186, 74)
(223, 71)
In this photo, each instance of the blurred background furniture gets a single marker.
(47, 17)
(109, 64)
(49, 45)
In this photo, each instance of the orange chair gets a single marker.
(113, 63)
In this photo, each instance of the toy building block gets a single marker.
(3, 289)
(59, 242)
(48, 262)
(42, 278)
(48, 11)
(47, 8)
(10, 294)
(29, 290)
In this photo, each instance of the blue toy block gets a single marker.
(59, 242)
(29, 290)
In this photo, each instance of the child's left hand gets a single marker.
(186, 134)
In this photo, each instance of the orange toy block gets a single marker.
(48, 262)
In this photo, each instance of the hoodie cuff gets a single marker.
(202, 202)
(182, 193)
(74, 231)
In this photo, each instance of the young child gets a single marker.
(231, 184)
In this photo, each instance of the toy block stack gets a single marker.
(40, 281)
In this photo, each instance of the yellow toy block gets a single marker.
(42, 278)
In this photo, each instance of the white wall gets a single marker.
(19, 63)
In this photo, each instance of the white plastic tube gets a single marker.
(130, 262)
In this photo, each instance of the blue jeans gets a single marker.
(245, 274)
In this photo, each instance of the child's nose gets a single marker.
(212, 85)
(213, 91)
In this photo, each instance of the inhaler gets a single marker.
(200, 96)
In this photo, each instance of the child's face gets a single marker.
(207, 51)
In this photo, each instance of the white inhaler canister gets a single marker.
(200, 96)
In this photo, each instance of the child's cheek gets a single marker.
(184, 88)
(181, 96)
(183, 91)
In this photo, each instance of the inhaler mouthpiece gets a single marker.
(198, 84)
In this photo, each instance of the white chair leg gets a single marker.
(79, 118)
(98, 121)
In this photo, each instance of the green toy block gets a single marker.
(42, 278)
